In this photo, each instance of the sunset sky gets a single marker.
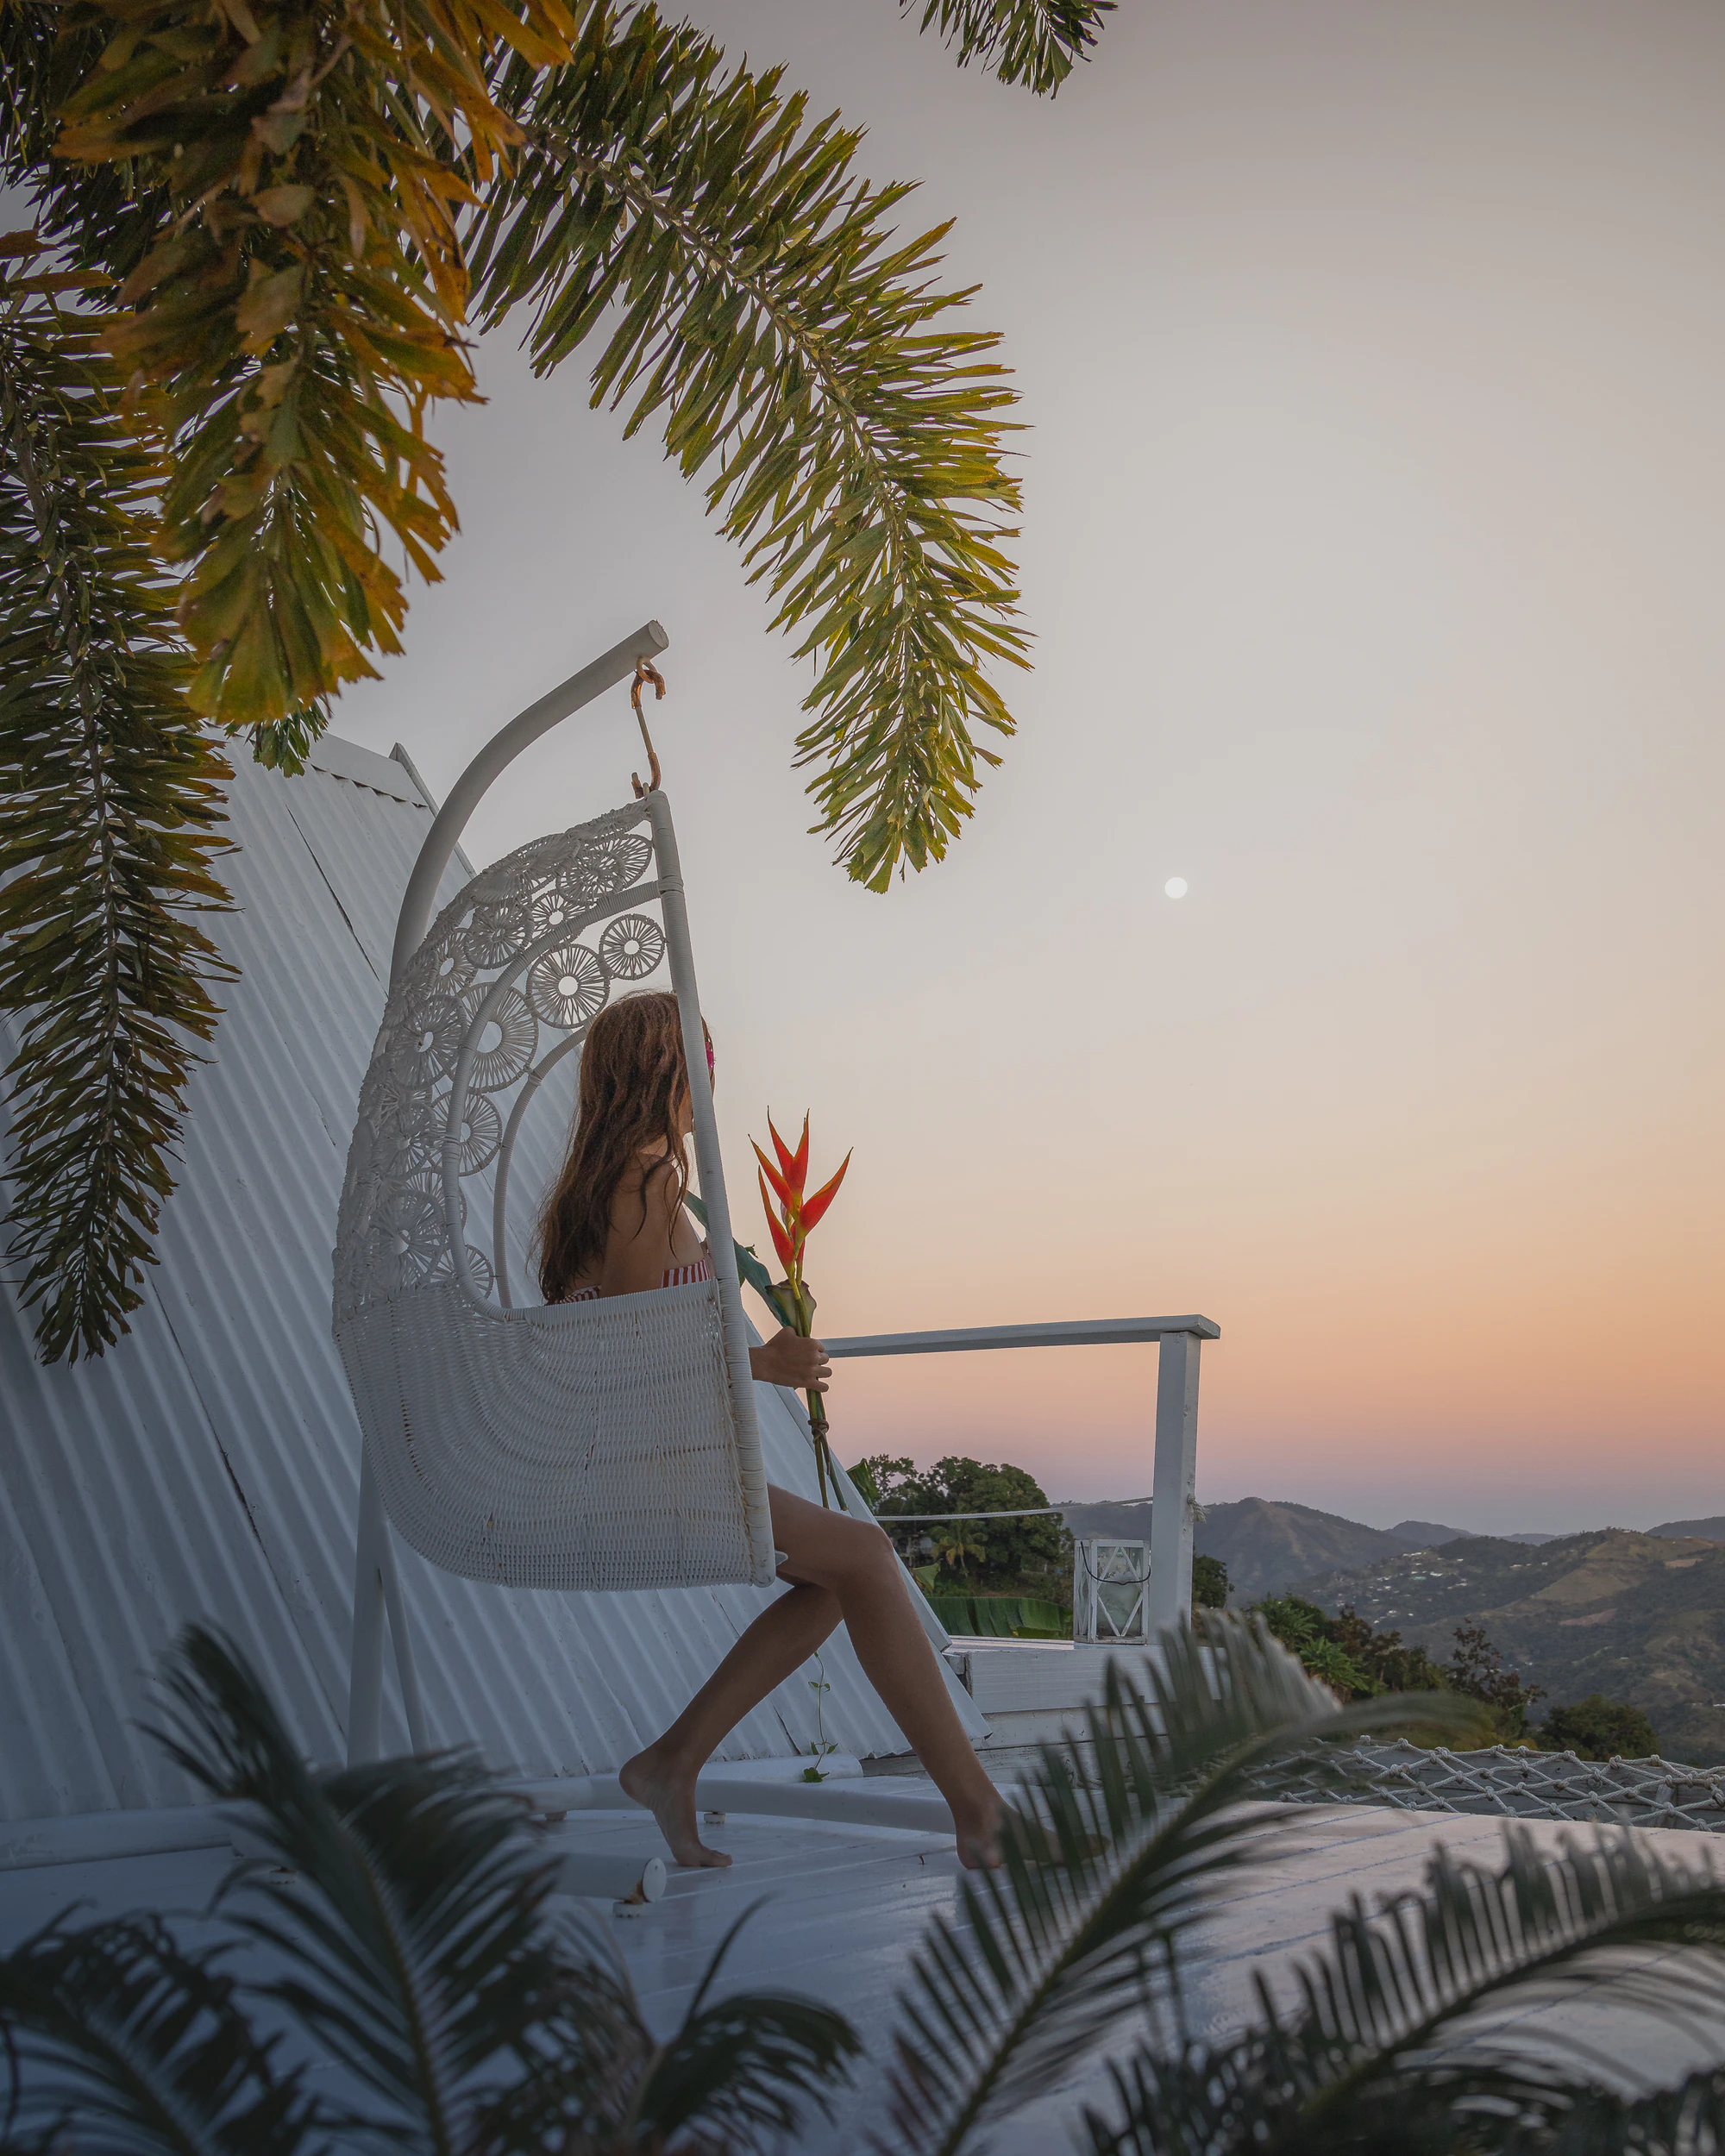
(1372, 358)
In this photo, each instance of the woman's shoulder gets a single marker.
(648, 1230)
(657, 1179)
(648, 1198)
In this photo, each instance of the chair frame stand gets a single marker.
(377, 1582)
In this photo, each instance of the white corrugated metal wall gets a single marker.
(207, 1465)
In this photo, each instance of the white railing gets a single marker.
(1176, 1419)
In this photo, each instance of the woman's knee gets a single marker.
(832, 1548)
(863, 1550)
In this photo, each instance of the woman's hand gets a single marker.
(788, 1359)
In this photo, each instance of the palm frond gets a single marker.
(755, 295)
(38, 67)
(109, 799)
(1033, 42)
(1043, 1958)
(1686, 2121)
(421, 1953)
(751, 2063)
(299, 308)
(120, 2043)
(1402, 2029)
(1544, 1926)
(98, 217)
(411, 1926)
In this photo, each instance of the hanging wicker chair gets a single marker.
(598, 1445)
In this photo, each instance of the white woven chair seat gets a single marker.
(593, 1445)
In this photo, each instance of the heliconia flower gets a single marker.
(809, 1218)
(791, 1224)
(795, 1165)
(782, 1241)
(782, 1189)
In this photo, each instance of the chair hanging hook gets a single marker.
(646, 671)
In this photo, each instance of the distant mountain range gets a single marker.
(1264, 1545)
(1269, 1545)
(1708, 1530)
(1640, 1617)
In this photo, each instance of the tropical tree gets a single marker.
(1018, 1549)
(1210, 1582)
(1477, 1668)
(265, 233)
(958, 1546)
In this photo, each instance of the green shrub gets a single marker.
(1476, 1668)
(1307, 1632)
(1344, 1653)
(1598, 1728)
(1010, 1553)
(1209, 1583)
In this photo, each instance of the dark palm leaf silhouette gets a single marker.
(1686, 2121)
(1400, 2031)
(1044, 1959)
(402, 1932)
(147, 2046)
(1408, 2035)
(404, 1914)
(1400, 2027)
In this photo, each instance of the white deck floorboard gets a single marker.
(837, 1911)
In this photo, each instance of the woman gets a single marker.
(615, 1226)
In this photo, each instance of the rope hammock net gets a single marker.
(589, 1446)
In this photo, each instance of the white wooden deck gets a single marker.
(840, 1909)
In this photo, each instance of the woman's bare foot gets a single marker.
(668, 1790)
(983, 1840)
(978, 1834)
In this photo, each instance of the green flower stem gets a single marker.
(802, 1324)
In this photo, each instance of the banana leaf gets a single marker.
(1000, 1616)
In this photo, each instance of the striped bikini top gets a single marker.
(675, 1276)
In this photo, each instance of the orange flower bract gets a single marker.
(781, 1242)
(809, 1218)
(782, 1189)
(791, 1223)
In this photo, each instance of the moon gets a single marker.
(1175, 886)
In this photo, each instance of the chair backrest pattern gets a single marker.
(589, 1446)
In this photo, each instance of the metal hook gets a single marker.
(646, 671)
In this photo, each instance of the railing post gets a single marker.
(1174, 1488)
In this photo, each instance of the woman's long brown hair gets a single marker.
(633, 1080)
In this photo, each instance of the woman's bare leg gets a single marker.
(778, 1643)
(837, 1567)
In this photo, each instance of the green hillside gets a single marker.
(1266, 1543)
(1640, 1617)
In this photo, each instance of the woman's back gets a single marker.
(652, 1243)
(615, 1224)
